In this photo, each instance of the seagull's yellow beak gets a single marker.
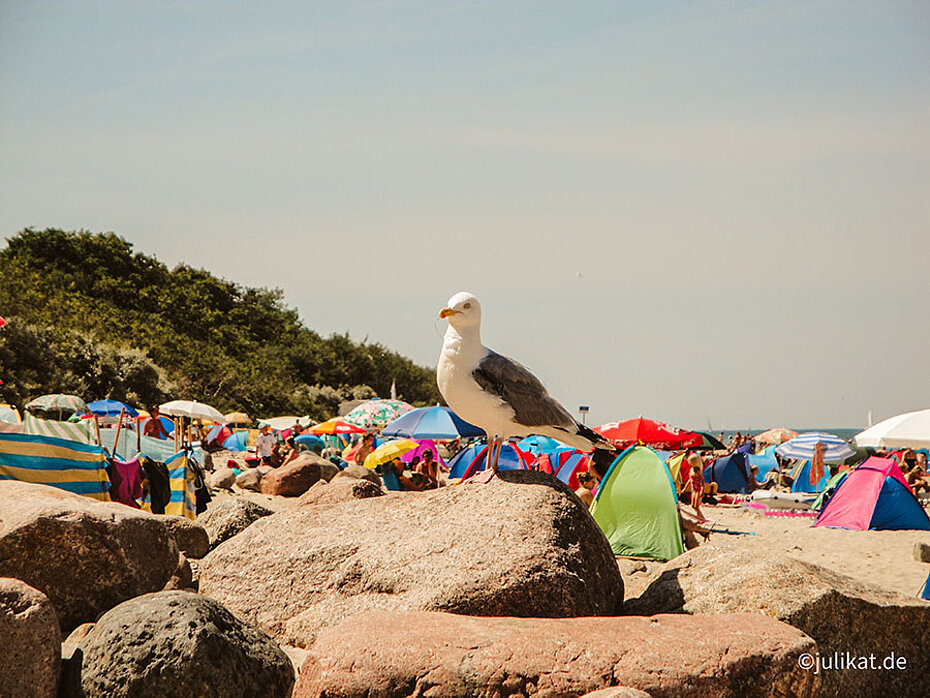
(446, 312)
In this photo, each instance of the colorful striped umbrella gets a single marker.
(778, 435)
(802, 447)
(377, 413)
(336, 426)
(58, 403)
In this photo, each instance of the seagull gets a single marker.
(499, 395)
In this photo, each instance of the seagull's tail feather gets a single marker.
(604, 453)
(602, 459)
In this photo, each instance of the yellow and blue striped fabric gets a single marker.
(183, 499)
(69, 465)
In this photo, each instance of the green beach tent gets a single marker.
(637, 508)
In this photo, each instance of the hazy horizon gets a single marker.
(688, 212)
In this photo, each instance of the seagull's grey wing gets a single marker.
(521, 390)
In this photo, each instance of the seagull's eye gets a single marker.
(467, 306)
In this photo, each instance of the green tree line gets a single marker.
(88, 315)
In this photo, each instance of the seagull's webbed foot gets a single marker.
(484, 477)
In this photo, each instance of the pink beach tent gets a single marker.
(874, 496)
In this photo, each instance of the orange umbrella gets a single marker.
(335, 426)
(776, 436)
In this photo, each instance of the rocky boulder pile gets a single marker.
(85, 556)
(522, 545)
(842, 615)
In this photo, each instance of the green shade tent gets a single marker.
(637, 508)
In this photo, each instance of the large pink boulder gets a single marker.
(394, 654)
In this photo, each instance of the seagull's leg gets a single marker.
(497, 453)
(490, 463)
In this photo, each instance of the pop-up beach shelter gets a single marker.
(564, 464)
(801, 478)
(874, 496)
(731, 473)
(636, 506)
(471, 460)
(764, 461)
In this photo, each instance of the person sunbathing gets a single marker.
(690, 526)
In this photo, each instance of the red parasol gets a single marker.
(651, 433)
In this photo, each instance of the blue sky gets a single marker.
(690, 211)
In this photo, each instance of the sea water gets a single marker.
(844, 433)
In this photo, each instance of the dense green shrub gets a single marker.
(87, 315)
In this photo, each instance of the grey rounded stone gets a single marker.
(176, 644)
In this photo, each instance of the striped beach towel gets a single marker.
(76, 467)
(183, 498)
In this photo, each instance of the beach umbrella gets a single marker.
(801, 447)
(58, 403)
(377, 413)
(423, 446)
(336, 426)
(388, 452)
(237, 418)
(431, 423)
(191, 409)
(908, 430)
(111, 408)
(310, 441)
(281, 423)
(710, 442)
(537, 445)
(649, 432)
(9, 414)
(777, 435)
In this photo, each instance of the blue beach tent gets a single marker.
(764, 461)
(471, 460)
(731, 473)
(801, 482)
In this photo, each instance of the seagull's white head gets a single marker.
(463, 310)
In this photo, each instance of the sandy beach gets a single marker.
(883, 559)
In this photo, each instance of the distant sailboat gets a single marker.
(870, 418)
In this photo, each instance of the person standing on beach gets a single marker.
(264, 445)
(697, 483)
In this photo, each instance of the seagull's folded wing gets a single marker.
(520, 389)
